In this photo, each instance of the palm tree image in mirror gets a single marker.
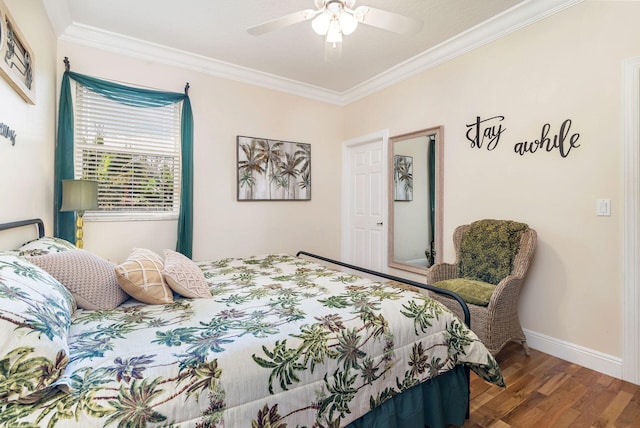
(273, 170)
(403, 178)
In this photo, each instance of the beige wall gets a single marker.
(222, 110)
(26, 169)
(568, 66)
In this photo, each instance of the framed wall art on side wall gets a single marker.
(16, 57)
(273, 170)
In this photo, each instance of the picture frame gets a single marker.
(16, 57)
(272, 170)
(403, 178)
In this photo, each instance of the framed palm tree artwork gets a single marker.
(403, 178)
(273, 170)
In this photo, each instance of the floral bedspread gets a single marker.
(283, 342)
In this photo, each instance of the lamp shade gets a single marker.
(79, 195)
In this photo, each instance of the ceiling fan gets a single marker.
(335, 18)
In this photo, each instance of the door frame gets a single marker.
(382, 137)
(631, 219)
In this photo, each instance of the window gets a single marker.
(133, 153)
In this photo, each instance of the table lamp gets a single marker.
(78, 196)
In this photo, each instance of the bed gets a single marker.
(279, 341)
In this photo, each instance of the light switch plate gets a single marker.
(603, 207)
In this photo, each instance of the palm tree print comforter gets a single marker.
(283, 342)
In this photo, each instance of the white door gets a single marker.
(364, 226)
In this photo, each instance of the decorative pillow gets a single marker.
(141, 277)
(487, 249)
(45, 245)
(35, 315)
(90, 278)
(184, 276)
(471, 291)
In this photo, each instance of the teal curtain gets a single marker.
(432, 195)
(64, 223)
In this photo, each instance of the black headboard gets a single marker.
(34, 221)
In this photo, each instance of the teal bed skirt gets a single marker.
(435, 403)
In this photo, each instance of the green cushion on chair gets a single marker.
(470, 290)
(488, 248)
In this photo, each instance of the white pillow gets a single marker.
(45, 245)
(35, 315)
(184, 276)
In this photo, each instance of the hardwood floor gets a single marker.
(544, 391)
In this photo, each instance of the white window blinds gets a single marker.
(133, 153)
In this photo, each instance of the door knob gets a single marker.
(379, 224)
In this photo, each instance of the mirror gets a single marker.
(415, 200)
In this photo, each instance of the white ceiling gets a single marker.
(211, 36)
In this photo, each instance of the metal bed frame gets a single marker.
(467, 317)
(465, 308)
(34, 221)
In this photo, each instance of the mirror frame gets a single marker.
(439, 132)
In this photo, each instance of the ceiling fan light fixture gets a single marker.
(348, 23)
(334, 35)
(347, 18)
(320, 24)
(334, 7)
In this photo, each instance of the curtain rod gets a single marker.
(67, 67)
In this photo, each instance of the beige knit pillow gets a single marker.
(90, 278)
(141, 277)
(184, 276)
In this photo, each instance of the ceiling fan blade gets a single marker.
(283, 21)
(388, 20)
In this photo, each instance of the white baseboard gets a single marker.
(575, 354)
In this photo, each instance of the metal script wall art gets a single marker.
(7, 132)
(487, 132)
(16, 57)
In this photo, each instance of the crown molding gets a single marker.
(130, 46)
(509, 21)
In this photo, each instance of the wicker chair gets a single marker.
(492, 258)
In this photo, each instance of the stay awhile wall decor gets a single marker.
(486, 133)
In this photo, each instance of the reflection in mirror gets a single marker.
(415, 200)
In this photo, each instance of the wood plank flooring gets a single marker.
(544, 391)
